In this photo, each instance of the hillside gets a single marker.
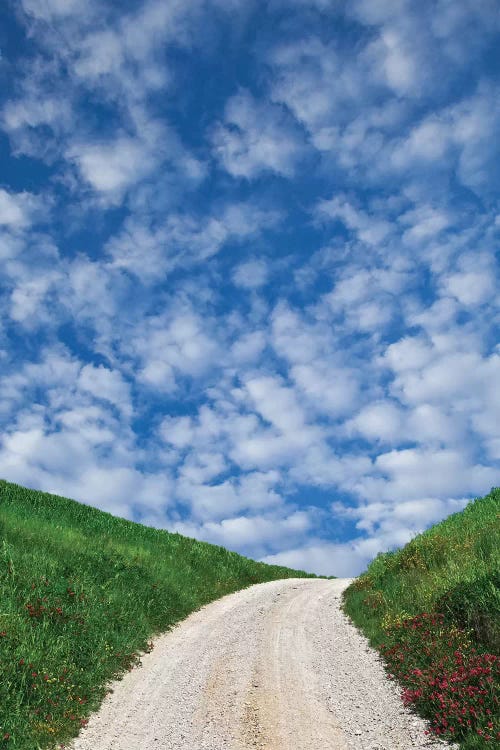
(432, 608)
(82, 593)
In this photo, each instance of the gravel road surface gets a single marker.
(274, 667)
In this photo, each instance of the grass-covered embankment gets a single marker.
(81, 593)
(432, 608)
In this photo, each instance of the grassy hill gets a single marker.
(81, 593)
(432, 608)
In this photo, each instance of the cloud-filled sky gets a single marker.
(249, 265)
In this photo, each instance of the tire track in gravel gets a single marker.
(274, 667)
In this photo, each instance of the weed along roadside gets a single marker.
(432, 609)
(82, 594)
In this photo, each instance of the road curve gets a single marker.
(274, 667)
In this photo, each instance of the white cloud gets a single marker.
(329, 558)
(369, 229)
(471, 288)
(413, 473)
(276, 403)
(110, 168)
(458, 375)
(50, 9)
(424, 222)
(101, 52)
(408, 353)
(254, 138)
(318, 4)
(172, 346)
(285, 433)
(311, 81)
(298, 340)
(17, 209)
(28, 296)
(461, 134)
(466, 25)
(251, 275)
(251, 532)
(66, 439)
(429, 141)
(211, 501)
(378, 12)
(379, 421)
(248, 348)
(367, 299)
(96, 296)
(433, 425)
(394, 61)
(177, 431)
(31, 111)
(331, 389)
(127, 52)
(475, 280)
(184, 240)
(106, 384)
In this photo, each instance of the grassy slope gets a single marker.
(453, 569)
(81, 593)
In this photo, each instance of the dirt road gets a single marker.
(274, 667)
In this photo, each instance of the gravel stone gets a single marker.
(274, 667)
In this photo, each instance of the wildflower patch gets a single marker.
(444, 676)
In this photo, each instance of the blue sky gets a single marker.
(249, 265)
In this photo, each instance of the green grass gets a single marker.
(452, 569)
(81, 594)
